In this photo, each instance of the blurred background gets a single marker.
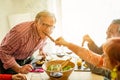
(75, 18)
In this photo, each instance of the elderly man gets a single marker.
(23, 40)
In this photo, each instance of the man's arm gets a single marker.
(93, 47)
(91, 44)
(99, 71)
(22, 69)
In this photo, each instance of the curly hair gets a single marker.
(112, 49)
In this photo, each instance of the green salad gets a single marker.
(57, 67)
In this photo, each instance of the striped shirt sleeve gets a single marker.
(8, 47)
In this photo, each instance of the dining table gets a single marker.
(77, 74)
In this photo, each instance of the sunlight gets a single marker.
(80, 17)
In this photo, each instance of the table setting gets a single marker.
(78, 68)
(80, 73)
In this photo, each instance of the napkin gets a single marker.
(37, 70)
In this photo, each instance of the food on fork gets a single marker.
(49, 37)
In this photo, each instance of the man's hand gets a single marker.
(43, 54)
(87, 39)
(26, 68)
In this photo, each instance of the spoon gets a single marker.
(56, 74)
(59, 74)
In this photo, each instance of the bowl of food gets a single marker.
(40, 62)
(55, 66)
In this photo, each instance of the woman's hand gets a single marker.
(60, 41)
(19, 77)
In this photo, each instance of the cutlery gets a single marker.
(49, 37)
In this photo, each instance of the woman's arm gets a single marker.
(83, 53)
(5, 77)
